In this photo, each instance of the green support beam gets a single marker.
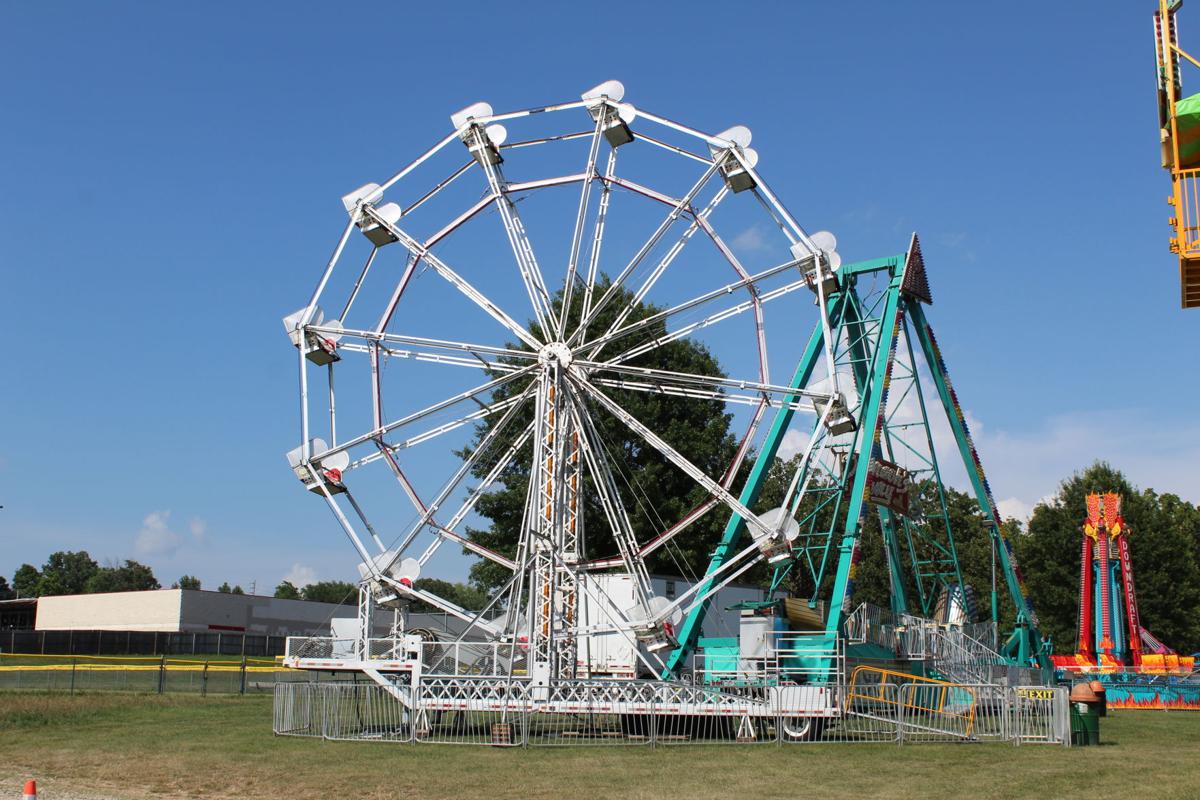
(872, 356)
(865, 442)
(689, 632)
(1030, 647)
(856, 337)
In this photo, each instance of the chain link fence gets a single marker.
(141, 643)
(151, 674)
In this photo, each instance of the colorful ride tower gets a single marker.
(1141, 671)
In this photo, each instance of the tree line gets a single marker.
(76, 572)
(1164, 543)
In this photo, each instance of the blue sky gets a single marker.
(173, 173)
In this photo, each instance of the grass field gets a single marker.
(139, 746)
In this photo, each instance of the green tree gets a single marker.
(465, 595)
(224, 588)
(66, 572)
(331, 592)
(6, 591)
(25, 580)
(189, 582)
(287, 591)
(655, 492)
(237, 590)
(129, 577)
(1163, 543)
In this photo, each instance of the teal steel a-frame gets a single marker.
(872, 356)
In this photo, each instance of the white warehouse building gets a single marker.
(186, 611)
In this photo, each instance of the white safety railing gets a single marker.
(506, 713)
(960, 658)
(324, 648)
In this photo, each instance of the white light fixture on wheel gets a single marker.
(328, 470)
(319, 348)
(737, 178)
(482, 142)
(653, 626)
(603, 102)
(776, 545)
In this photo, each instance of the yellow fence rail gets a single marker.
(923, 702)
(37, 662)
(157, 674)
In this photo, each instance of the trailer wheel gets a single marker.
(804, 729)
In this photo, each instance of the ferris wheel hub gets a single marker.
(555, 352)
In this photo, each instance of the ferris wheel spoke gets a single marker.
(518, 239)
(422, 252)
(764, 369)
(661, 539)
(720, 316)
(477, 350)
(713, 487)
(609, 495)
(698, 221)
(709, 297)
(669, 377)
(692, 393)
(701, 508)
(580, 220)
(674, 214)
(449, 529)
(434, 358)
(485, 444)
(425, 412)
(597, 242)
(434, 432)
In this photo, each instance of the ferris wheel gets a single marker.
(503, 300)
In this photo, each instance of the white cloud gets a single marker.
(156, 538)
(199, 529)
(750, 240)
(1014, 507)
(1025, 465)
(1029, 464)
(301, 576)
(793, 442)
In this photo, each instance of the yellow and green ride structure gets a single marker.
(1179, 135)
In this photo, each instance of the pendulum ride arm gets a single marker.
(689, 632)
(1029, 646)
(866, 444)
(856, 337)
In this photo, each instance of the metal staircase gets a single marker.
(959, 658)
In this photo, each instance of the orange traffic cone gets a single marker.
(30, 790)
